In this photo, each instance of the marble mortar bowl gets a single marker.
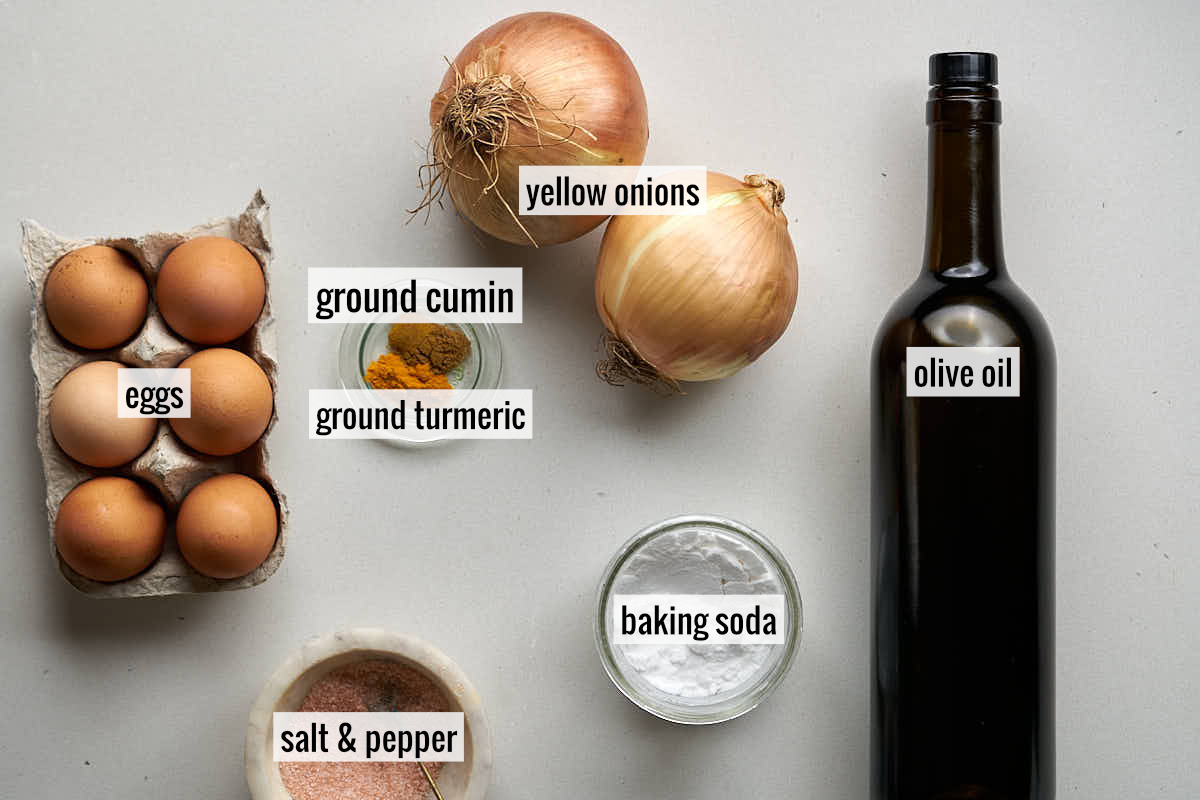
(290, 684)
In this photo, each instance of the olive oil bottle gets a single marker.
(963, 489)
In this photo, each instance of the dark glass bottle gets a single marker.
(962, 511)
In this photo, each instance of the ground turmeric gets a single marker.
(391, 371)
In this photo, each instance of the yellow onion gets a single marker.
(696, 298)
(539, 89)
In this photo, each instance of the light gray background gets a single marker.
(154, 116)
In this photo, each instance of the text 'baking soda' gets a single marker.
(692, 618)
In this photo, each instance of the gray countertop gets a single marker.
(134, 117)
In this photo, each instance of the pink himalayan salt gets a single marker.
(365, 686)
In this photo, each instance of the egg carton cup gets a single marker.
(168, 465)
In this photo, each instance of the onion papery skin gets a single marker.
(700, 297)
(588, 93)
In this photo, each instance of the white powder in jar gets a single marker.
(695, 561)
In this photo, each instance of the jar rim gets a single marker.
(485, 340)
(750, 696)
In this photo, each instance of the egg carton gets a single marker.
(168, 465)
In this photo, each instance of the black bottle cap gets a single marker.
(962, 69)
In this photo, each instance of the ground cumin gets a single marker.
(442, 347)
(403, 338)
(391, 371)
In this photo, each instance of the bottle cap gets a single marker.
(959, 69)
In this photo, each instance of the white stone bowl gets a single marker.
(290, 684)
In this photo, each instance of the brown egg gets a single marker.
(84, 421)
(231, 402)
(110, 529)
(96, 297)
(210, 290)
(226, 526)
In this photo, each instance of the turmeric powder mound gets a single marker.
(391, 371)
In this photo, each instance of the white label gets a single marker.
(582, 191)
(154, 393)
(698, 619)
(368, 736)
(360, 294)
(963, 372)
(420, 415)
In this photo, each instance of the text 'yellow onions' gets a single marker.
(696, 298)
(539, 89)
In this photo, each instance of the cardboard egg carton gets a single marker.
(168, 465)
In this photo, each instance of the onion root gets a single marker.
(480, 109)
(621, 365)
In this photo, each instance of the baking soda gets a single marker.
(695, 561)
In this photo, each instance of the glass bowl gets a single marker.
(725, 705)
(363, 342)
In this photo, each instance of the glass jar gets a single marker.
(362, 343)
(724, 705)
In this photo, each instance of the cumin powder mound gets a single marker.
(391, 371)
(404, 337)
(439, 346)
